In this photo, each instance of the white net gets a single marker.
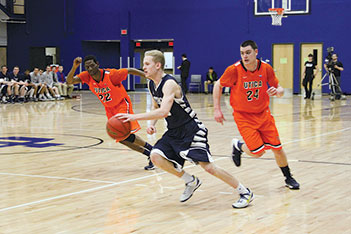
(277, 15)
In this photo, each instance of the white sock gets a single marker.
(187, 177)
(242, 189)
(41, 95)
(31, 93)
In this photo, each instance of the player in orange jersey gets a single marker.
(249, 79)
(106, 85)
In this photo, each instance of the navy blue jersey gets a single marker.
(180, 113)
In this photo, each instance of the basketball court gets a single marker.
(61, 173)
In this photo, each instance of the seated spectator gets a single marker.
(47, 78)
(57, 84)
(211, 78)
(36, 79)
(31, 87)
(19, 85)
(6, 85)
(67, 89)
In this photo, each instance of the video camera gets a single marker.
(328, 59)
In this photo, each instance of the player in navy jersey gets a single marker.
(186, 137)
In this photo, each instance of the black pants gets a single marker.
(307, 83)
(184, 87)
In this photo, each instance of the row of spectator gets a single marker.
(37, 85)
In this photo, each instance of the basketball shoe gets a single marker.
(291, 183)
(236, 153)
(244, 200)
(150, 166)
(190, 189)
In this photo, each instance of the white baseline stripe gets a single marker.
(79, 192)
(319, 135)
(54, 198)
(58, 177)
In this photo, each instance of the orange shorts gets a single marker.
(258, 130)
(124, 106)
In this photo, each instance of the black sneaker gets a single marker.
(236, 153)
(149, 167)
(291, 183)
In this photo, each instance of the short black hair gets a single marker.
(310, 55)
(184, 55)
(249, 43)
(3, 66)
(210, 68)
(90, 57)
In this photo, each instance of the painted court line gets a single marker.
(76, 193)
(87, 190)
(58, 177)
(135, 179)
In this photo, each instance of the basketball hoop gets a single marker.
(277, 15)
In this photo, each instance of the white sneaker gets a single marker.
(190, 189)
(244, 200)
(43, 99)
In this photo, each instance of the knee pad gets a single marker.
(131, 138)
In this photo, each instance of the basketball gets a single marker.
(117, 129)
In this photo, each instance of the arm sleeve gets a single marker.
(117, 76)
(84, 77)
(271, 78)
(229, 77)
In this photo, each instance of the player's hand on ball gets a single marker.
(125, 117)
(151, 130)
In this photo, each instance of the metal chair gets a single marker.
(195, 82)
(178, 79)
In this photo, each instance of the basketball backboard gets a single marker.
(291, 7)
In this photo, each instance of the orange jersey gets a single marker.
(109, 90)
(111, 93)
(248, 89)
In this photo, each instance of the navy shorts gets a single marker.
(188, 142)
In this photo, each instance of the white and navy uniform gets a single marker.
(3, 80)
(47, 79)
(186, 137)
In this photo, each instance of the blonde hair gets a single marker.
(157, 57)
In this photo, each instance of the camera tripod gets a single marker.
(334, 86)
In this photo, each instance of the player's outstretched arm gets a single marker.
(217, 94)
(136, 72)
(71, 79)
(169, 90)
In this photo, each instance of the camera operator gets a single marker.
(309, 74)
(334, 66)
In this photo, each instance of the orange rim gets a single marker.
(279, 11)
